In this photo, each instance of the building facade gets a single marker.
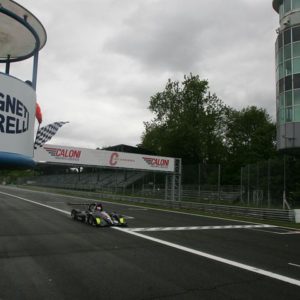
(288, 74)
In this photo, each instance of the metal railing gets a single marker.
(256, 213)
(248, 212)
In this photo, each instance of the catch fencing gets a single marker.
(245, 212)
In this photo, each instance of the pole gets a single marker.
(257, 184)
(284, 183)
(241, 185)
(248, 186)
(7, 66)
(269, 174)
(219, 183)
(35, 69)
(199, 180)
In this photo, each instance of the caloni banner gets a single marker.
(102, 158)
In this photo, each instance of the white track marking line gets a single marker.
(186, 249)
(198, 228)
(215, 258)
(128, 217)
(48, 206)
(295, 265)
(267, 231)
(37, 203)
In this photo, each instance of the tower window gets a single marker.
(296, 49)
(287, 37)
(289, 114)
(296, 4)
(296, 34)
(288, 82)
(297, 81)
(297, 97)
(287, 6)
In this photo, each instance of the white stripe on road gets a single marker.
(199, 228)
(128, 217)
(213, 257)
(183, 248)
(47, 206)
(37, 203)
(295, 265)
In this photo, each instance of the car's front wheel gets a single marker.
(91, 221)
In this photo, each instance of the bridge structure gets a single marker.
(114, 160)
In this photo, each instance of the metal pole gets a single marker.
(269, 174)
(173, 188)
(257, 183)
(241, 184)
(166, 187)
(199, 180)
(219, 183)
(7, 66)
(35, 69)
(248, 187)
(284, 183)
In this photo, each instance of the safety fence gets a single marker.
(272, 184)
(248, 212)
(230, 210)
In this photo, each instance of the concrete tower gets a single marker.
(288, 74)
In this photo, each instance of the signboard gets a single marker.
(17, 116)
(102, 158)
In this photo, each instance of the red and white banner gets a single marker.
(102, 158)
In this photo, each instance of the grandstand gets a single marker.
(102, 180)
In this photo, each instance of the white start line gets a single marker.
(133, 231)
(149, 229)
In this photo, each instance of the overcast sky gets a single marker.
(104, 59)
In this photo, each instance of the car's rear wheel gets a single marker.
(73, 214)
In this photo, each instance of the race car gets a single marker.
(94, 215)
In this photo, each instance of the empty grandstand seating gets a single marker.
(103, 179)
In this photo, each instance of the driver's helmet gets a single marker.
(99, 207)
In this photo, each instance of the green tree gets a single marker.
(189, 122)
(250, 137)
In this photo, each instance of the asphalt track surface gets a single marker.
(44, 254)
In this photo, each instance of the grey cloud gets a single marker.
(105, 59)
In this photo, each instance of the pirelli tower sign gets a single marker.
(22, 36)
(17, 115)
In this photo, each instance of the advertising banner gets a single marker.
(102, 158)
(17, 116)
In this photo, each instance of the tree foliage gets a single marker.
(251, 135)
(188, 123)
(198, 127)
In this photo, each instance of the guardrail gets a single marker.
(256, 213)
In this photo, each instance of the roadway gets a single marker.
(44, 254)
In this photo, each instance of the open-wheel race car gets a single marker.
(94, 215)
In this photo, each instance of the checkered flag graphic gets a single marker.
(45, 133)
